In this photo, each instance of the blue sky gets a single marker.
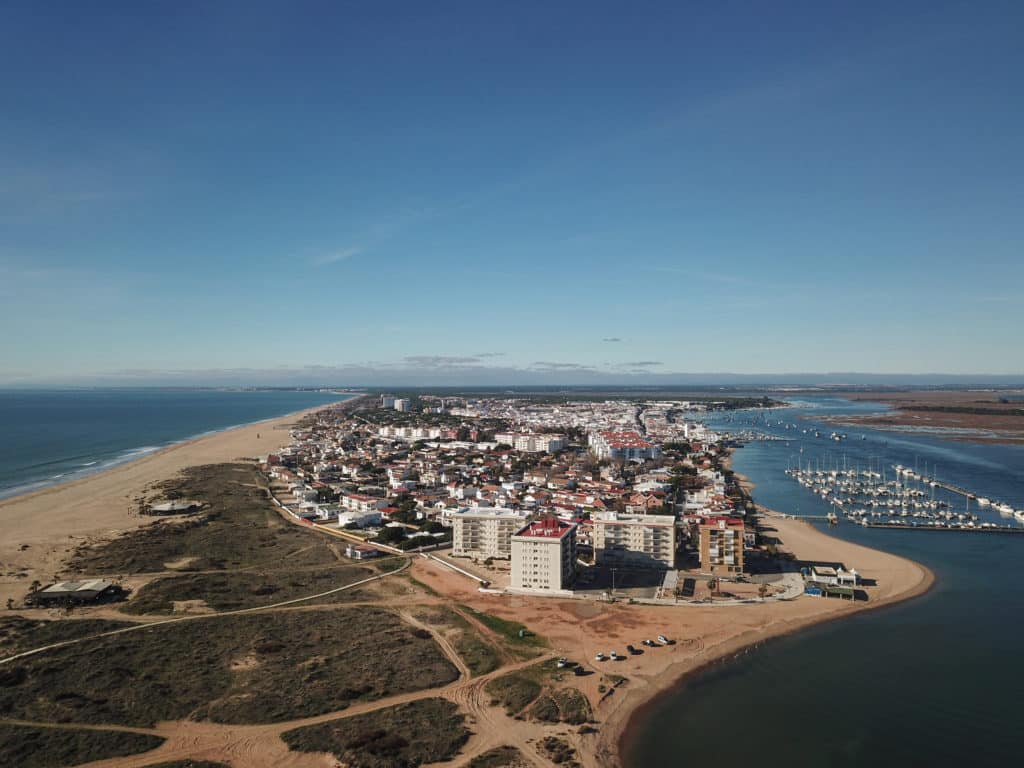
(528, 191)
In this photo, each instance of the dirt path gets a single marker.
(204, 616)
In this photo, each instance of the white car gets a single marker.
(599, 657)
(662, 639)
(613, 656)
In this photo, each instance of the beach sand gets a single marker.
(41, 528)
(580, 629)
(53, 521)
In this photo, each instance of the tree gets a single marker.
(762, 591)
(391, 535)
(713, 587)
(10, 603)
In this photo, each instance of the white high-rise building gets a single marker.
(484, 532)
(635, 540)
(544, 557)
(531, 442)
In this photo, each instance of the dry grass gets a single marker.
(425, 731)
(298, 664)
(27, 747)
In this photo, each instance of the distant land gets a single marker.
(463, 377)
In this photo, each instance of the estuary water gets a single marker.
(53, 436)
(935, 681)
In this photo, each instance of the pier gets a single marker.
(955, 528)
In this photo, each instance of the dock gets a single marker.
(952, 528)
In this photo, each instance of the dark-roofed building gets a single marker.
(76, 593)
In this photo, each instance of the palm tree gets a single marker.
(713, 587)
(762, 590)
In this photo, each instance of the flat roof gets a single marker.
(549, 528)
(70, 587)
(489, 512)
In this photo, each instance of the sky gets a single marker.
(465, 192)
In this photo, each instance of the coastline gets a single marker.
(621, 726)
(43, 526)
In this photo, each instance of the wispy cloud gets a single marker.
(436, 361)
(611, 339)
(542, 365)
(333, 258)
(641, 364)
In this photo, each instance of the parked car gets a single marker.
(662, 639)
(599, 657)
(613, 656)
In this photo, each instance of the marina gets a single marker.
(895, 660)
(910, 500)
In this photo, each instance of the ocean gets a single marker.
(53, 436)
(933, 681)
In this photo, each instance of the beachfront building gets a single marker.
(839, 576)
(531, 442)
(483, 532)
(626, 445)
(403, 404)
(634, 540)
(721, 546)
(544, 557)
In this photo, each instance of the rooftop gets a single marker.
(548, 528)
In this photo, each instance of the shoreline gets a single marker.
(624, 728)
(125, 456)
(624, 722)
(43, 527)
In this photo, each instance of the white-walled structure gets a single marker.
(484, 531)
(544, 557)
(634, 540)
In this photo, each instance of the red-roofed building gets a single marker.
(544, 557)
(627, 446)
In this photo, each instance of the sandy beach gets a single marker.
(55, 520)
(42, 527)
(703, 634)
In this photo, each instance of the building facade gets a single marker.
(483, 532)
(628, 445)
(721, 546)
(634, 540)
(531, 442)
(544, 556)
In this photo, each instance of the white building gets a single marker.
(484, 532)
(357, 502)
(387, 401)
(360, 519)
(627, 446)
(634, 540)
(544, 557)
(532, 442)
(403, 404)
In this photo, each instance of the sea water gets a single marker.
(934, 681)
(53, 436)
